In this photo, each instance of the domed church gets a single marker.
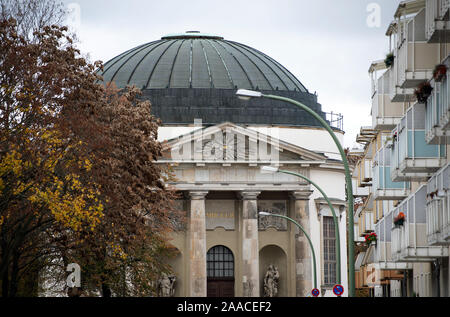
(217, 144)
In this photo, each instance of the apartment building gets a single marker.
(402, 179)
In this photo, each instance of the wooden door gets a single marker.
(220, 287)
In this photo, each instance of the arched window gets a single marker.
(220, 262)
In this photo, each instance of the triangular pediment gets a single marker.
(228, 142)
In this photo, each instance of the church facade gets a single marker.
(216, 145)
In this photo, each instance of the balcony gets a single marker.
(382, 207)
(411, 157)
(365, 217)
(437, 125)
(438, 207)
(383, 188)
(398, 94)
(365, 172)
(409, 240)
(357, 190)
(415, 59)
(383, 247)
(385, 113)
(437, 21)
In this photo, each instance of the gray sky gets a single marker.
(327, 44)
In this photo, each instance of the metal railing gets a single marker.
(336, 120)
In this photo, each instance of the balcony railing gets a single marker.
(359, 191)
(411, 157)
(398, 94)
(437, 24)
(385, 113)
(438, 207)
(383, 187)
(383, 253)
(409, 240)
(437, 124)
(415, 58)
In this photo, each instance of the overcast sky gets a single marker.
(327, 44)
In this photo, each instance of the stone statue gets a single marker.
(271, 281)
(166, 285)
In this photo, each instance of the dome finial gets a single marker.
(191, 35)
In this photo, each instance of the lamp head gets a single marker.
(268, 169)
(245, 94)
(263, 213)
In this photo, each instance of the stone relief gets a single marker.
(248, 288)
(271, 281)
(166, 285)
(273, 207)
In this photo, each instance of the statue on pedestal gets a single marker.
(271, 281)
(166, 285)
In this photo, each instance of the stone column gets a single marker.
(250, 246)
(197, 245)
(303, 255)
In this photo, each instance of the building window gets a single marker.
(329, 251)
(220, 262)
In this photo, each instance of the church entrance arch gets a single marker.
(220, 270)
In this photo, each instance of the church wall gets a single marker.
(332, 184)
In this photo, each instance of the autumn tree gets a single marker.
(78, 179)
(32, 15)
(130, 244)
(44, 166)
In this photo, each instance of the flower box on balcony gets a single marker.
(399, 220)
(371, 238)
(389, 60)
(423, 91)
(439, 72)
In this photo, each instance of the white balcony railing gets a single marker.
(369, 225)
(359, 191)
(437, 24)
(409, 240)
(385, 113)
(383, 187)
(415, 58)
(437, 123)
(364, 172)
(383, 252)
(411, 157)
(438, 207)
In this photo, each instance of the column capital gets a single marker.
(249, 194)
(197, 194)
(300, 195)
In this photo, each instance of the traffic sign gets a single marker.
(338, 289)
(315, 292)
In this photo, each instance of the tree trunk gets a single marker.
(5, 282)
(13, 283)
(106, 291)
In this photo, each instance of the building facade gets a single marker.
(402, 177)
(217, 144)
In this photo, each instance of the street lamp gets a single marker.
(248, 94)
(272, 170)
(263, 213)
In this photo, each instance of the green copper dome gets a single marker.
(198, 60)
(194, 75)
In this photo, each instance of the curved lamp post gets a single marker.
(248, 94)
(262, 213)
(271, 169)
